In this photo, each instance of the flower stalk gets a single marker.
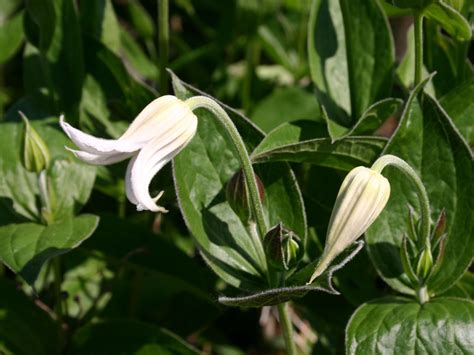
(418, 19)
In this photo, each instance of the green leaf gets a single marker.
(464, 288)
(285, 105)
(54, 29)
(128, 94)
(292, 142)
(351, 56)
(400, 326)
(371, 119)
(428, 140)
(98, 20)
(24, 327)
(11, 37)
(201, 172)
(137, 58)
(25, 247)
(126, 336)
(71, 180)
(450, 19)
(297, 285)
(72, 184)
(459, 104)
(142, 21)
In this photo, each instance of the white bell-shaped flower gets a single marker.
(158, 133)
(361, 198)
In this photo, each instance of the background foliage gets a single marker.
(317, 88)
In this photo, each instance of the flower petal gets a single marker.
(99, 159)
(98, 146)
(153, 157)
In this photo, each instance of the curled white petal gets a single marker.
(99, 159)
(153, 157)
(94, 145)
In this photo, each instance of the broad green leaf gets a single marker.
(446, 57)
(285, 105)
(127, 336)
(400, 326)
(72, 181)
(54, 29)
(459, 104)
(201, 172)
(296, 286)
(351, 56)
(428, 140)
(137, 58)
(25, 247)
(450, 19)
(293, 143)
(127, 94)
(25, 328)
(464, 288)
(11, 37)
(141, 19)
(371, 119)
(98, 20)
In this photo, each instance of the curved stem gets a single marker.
(255, 203)
(418, 47)
(402, 165)
(163, 43)
(287, 328)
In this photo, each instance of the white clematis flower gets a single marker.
(157, 134)
(361, 198)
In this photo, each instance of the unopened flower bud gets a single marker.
(238, 196)
(361, 198)
(35, 154)
(282, 247)
(425, 263)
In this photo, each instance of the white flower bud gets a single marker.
(361, 198)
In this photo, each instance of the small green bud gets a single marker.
(282, 247)
(440, 227)
(35, 153)
(238, 196)
(425, 263)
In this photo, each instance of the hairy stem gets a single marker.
(402, 165)
(287, 328)
(255, 203)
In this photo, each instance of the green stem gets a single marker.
(422, 294)
(57, 287)
(418, 47)
(402, 165)
(163, 43)
(287, 328)
(255, 203)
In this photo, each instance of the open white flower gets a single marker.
(361, 198)
(157, 134)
